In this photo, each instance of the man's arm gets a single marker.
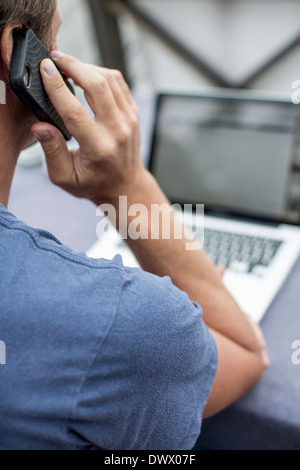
(191, 271)
(108, 165)
(240, 343)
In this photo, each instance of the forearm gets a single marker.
(191, 271)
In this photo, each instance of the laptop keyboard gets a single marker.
(240, 253)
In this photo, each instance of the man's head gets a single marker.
(43, 18)
(32, 14)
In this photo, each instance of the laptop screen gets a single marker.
(237, 156)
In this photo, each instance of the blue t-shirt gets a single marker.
(98, 356)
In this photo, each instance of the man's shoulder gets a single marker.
(76, 286)
(55, 271)
(19, 240)
(159, 319)
(158, 356)
(47, 280)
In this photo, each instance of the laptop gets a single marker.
(238, 154)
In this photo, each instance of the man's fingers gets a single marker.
(95, 85)
(124, 88)
(59, 160)
(78, 121)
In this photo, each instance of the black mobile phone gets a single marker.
(26, 81)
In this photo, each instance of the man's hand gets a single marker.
(107, 162)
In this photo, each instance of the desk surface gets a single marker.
(268, 417)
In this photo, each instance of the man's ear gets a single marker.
(6, 46)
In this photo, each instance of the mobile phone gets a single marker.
(26, 81)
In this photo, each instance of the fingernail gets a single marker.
(45, 135)
(57, 54)
(49, 68)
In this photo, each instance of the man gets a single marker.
(99, 356)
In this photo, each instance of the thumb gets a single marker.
(58, 156)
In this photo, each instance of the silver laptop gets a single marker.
(239, 155)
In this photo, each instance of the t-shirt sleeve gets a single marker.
(149, 382)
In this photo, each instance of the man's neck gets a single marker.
(9, 152)
(15, 124)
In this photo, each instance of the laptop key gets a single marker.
(240, 253)
(259, 271)
(240, 267)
